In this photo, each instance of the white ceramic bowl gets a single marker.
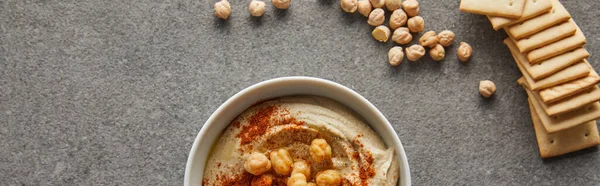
(286, 86)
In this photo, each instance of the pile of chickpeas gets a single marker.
(299, 171)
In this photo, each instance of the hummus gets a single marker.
(292, 123)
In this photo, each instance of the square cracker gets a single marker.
(568, 104)
(567, 120)
(556, 15)
(504, 8)
(532, 8)
(550, 66)
(547, 36)
(559, 92)
(562, 142)
(558, 47)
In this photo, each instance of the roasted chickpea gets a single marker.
(411, 7)
(464, 52)
(487, 88)
(437, 53)
(349, 6)
(377, 17)
(416, 24)
(381, 33)
(398, 19)
(282, 4)
(364, 7)
(446, 38)
(377, 3)
(297, 179)
(392, 5)
(320, 150)
(301, 166)
(415, 52)
(429, 39)
(329, 178)
(402, 36)
(312, 184)
(257, 8)
(395, 56)
(257, 163)
(222, 9)
(282, 161)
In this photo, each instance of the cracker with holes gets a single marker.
(532, 9)
(579, 100)
(556, 15)
(503, 8)
(550, 66)
(559, 92)
(545, 37)
(570, 140)
(557, 48)
(566, 120)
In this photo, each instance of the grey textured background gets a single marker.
(100, 92)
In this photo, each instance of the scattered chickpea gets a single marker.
(319, 150)
(446, 38)
(364, 7)
(282, 161)
(376, 17)
(349, 6)
(257, 8)
(402, 36)
(416, 24)
(464, 52)
(282, 4)
(392, 5)
(222, 9)
(262, 180)
(487, 88)
(429, 39)
(411, 7)
(437, 53)
(297, 179)
(257, 163)
(301, 167)
(398, 19)
(381, 33)
(414, 53)
(311, 184)
(329, 177)
(395, 56)
(377, 3)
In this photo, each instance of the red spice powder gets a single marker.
(262, 120)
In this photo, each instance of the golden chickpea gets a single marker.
(402, 36)
(416, 24)
(301, 167)
(381, 33)
(349, 6)
(364, 7)
(282, 161)
(446, 38)
(377, 3)
(398, 19)
(297, 179)
(262, 180)
(437, 53)
(312, 184)
(329, 178)
(411, 7)
(257, 8)
(414, 53)
(282, 4)
(377, 17)
(487, 88)
(257, 163)
(464, 52)
(320, 150)
(429, 39)
(395, 56)
(222, 9)
(392, 5)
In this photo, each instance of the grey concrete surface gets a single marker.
(114, 92)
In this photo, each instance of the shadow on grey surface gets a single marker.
(281, 14)
(326, 2)
(221, 24)
(351, 18)
(571, 155)
(256, 21)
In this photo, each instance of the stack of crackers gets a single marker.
(548, 48)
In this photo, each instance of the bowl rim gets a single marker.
(403, 163)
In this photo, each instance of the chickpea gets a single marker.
(414, 53)
(282, 4)
(402, 36)
(377, 3)
(395, 56)
(257, 8)
(349, 6)
(429, 39)
(392, 5)
(487, 88)
(437, 53)
(262, 180)
(398, 19)
(297, 179)
(282, 161)
(320, 150)
(446, 38)
(411, 7)
(464, 52)
(381, 33)
(222, 9)
(329, 178)
(377, 17)
(301, 167)
(257, 163)
(416, 24)
(312, 184)
(364, 7)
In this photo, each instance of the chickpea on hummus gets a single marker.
(300, 140)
